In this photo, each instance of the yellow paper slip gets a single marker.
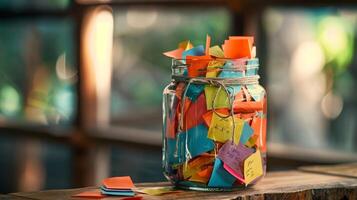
(157, 191)
(253, 167)
(213, 68)
(222, 100)
(216, 51)
(221, 129)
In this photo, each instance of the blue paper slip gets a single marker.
(220, 177)
(131, 194)
(230, 72)
(253, 61)
(197, 140)
(115, 190)
(251, 71)
(176, 149)
(194, 91)
(247, 132)
(197, 143)
(195, 51)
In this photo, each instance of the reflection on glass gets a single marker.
(313, 106)
(140, 71)
(37, 72)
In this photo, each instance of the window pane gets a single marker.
(34, 4)
(146, 160)
(140, 71)
(33, 165)
(312, 73)
(37, 72)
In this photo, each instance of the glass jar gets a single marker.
(214, 125)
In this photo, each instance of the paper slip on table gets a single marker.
(317, 182)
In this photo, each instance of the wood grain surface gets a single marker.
(276, 185)
(347, 170)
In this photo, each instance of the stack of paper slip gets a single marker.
(118, 186)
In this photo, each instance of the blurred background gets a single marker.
(81, 83)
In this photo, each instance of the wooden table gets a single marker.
(336, 182)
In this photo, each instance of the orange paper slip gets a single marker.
(122, 182)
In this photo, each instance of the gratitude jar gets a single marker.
(214, 124)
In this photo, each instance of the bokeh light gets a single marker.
(10, 101)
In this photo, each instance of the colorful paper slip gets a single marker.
(193, 116)
(208, 44)
(207, 117)
(230, 74)
(213, 68)
(233, 156)
(176, 149)
(196, 165)
(253, 141)
(234, 173)
(251, 71)
(185, 45)
(220, 177)
(198, 178)
(197, 141)
(204, 175)
(249, 38)
(194, 90)
(221, 129)
(195, 144)
(216, 51)
(259, 127)
(239, 97)
(253, 167)
(116, 192)
(221, 101)
(253, 62)
(256, 91)
(170, 128)
(187, 105)
(103, 188)
(230, 70)
(158, 191)
(247, 132)
(176, 54)
(206, 172)
(171, 119)
(247, 95)
(247, 107)
(237, 48)
(197, 65)
(121, 182)
(180, 88)
(195, 51)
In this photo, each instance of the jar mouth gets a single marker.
(246, 66)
